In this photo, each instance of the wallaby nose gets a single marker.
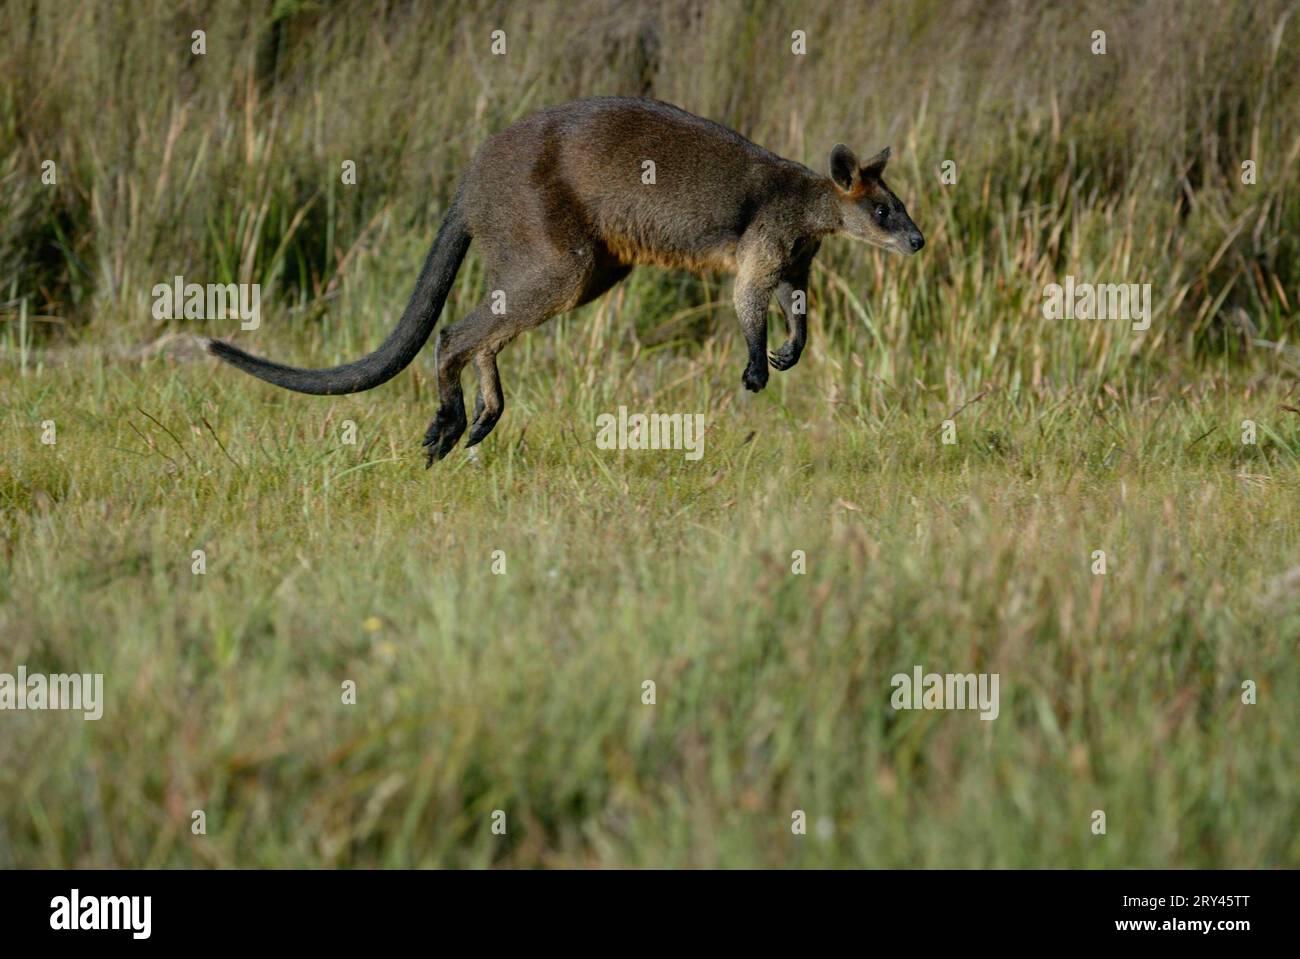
(917, 241)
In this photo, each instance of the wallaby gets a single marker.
(566, 201)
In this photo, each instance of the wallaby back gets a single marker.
(648, 181)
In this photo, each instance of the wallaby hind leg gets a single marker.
(455, 344)
(490, 401)
(552, 286)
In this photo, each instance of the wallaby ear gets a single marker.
(844, 167)
(876, 165)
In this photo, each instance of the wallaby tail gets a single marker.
(401, 346)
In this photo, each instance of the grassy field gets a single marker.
(520, 689)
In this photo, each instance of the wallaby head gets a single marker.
(870, 211)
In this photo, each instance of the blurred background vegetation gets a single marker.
(1125, 167)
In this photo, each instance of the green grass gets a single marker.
(522, 692)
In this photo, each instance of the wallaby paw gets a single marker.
(482, 422)
(755, 378)
(483, 425)
(784, 357)
(444, 432)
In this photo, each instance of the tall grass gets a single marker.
(522, 692)
(226, 166)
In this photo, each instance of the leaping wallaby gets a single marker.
(564, 204)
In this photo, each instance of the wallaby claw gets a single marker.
(784, 357)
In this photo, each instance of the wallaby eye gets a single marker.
(881, 213)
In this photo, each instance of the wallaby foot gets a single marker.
(785, 356)
(490, 401)
(484, 421)
(755, 377)
(445, 431)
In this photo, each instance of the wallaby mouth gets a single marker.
(909, 243)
